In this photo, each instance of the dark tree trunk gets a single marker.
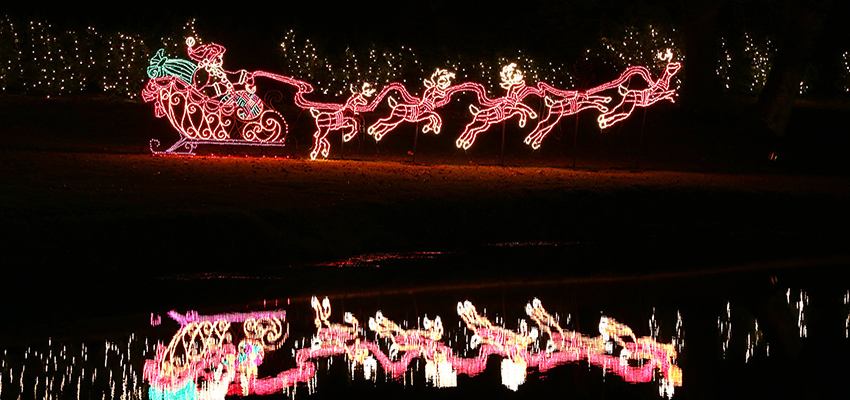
(701, 86)
(799, 26)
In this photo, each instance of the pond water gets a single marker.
(776, 329)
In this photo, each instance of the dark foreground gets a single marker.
(97, 234)
(87, 213)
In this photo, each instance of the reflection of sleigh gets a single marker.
(233, 118)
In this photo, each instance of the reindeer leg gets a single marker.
(467, 137)
(473, 134)
(351, 132)
(434, 122)
(320, 144)
(384, 126)
(610, 118)
(542, 129)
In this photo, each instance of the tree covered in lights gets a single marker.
(38, 58)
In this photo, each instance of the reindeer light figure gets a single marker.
(414, 109)
(570, 103)
(341, 117)
(656, 91)
(500, 109)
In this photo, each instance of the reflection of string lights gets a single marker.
(203, 351)
(724, 326)
(799, 307)
(847, 320)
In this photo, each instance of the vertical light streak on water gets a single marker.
(21, 380)
(847, 319)
(753, 339)
(679, 338)
(653, 326)
(725, 328)
(800, 307)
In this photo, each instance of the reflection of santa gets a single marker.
(210, 78)
(249, 358)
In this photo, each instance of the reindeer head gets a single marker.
(358, 97)
(511, 76)
(434, 328)
(323, 311)
(367, 90)
(441, 79)
(666, 55)
(673, 68)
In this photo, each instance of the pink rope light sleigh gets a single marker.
(206, 358)
(209, 105)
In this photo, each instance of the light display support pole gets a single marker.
(502, 153)
(575, 142)
(415, 140)
(640, 138)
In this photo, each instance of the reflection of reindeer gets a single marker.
(500, 109)
(420, 340)
(337, 336)
(415, 110)
(658, 90)
(512, 343)
(203, 360)
(341, 118)
(570, 104)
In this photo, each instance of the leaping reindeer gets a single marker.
(570, 103)
(414, 110)
(500, 109)
(658, 90)
(339, 118)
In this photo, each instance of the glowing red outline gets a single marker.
(499, 109)
(342, 118)
(414, 109)
(218, 363)
(205, 110)
(211, 118)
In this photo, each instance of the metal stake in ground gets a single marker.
(502, 155)
(415, 139)
(575, 142)
(640, 140)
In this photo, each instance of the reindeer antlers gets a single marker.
(510, 75)
(367, 90)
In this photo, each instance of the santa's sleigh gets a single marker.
(232, 118)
